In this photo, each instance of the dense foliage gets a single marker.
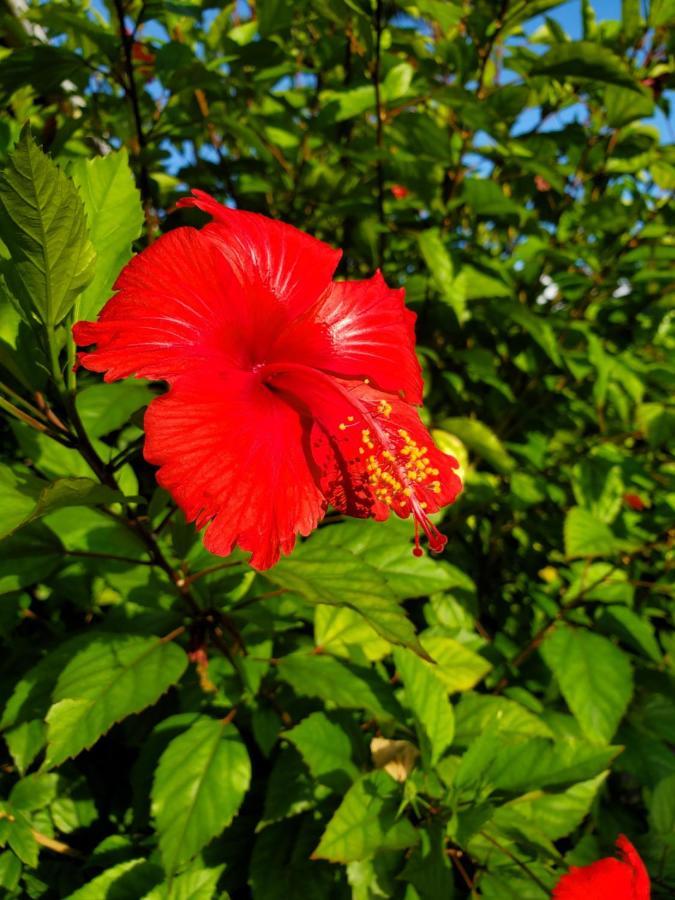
(177, 725)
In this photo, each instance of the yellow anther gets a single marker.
(350, 418)
(342, 426)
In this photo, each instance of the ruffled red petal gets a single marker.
(358, 329)
(178, 304)
(295, 267)
(234, 457)
(373, 453)
(607, 879)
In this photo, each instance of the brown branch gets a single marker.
(56, 846)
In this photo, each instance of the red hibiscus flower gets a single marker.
(288, 391)
(399, 191)
(634, 501)
(607, 879)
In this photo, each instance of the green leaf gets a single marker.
(538, 328)
(115, 216)
(457, 666)
(43, 223)
(587, 537)
(338, 682)
(33, 792)
(662, 806)
(198, 788)
(19, 490)
(196, 884)
(366, 821)
(127, 880)
(553, 815)
(451, 287)
(595, 679)
(584, 61)
(65, 492)
(326, 749)
(538, 763)
(427, 698)
(10, 871)
(113, 677)
(324, 573)
(476, 714)
(21, 839)
(106, 407)
(482, 440)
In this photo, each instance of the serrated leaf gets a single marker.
(113, 677)
(43, 224)
(585, 536)
(115, 216)
(586, 61)
(553, 815)
(34, 792)
(127, 880)
(199, 785)
(477, 713)
(339, 682)
(366, 821)
(335, 576)
(427, 698)
(326, 749)
(457, 666)
(197, 884)
(595, 679)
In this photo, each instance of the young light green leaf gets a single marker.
(367, 820)
(43, 224)
(457, 666)
(427, 698)
(595, 678)
(115, 217)
(482, 440)
(451, 286)
(198, 788)
(114, 676)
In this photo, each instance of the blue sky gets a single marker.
(567, 14)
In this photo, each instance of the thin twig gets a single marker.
(379, 130)
(515, 859)
(132, 95)
(91, 554)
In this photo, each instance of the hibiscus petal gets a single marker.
(178, 304)
(624, 879)
(295, 267)
(359, 329)
(373, 453)
(233, 454)
(604, 878)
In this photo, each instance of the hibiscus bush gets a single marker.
(182, 716)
